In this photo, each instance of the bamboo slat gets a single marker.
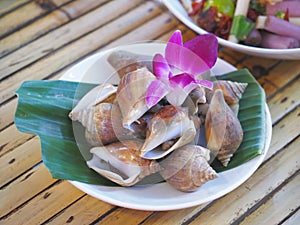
(294, 219)
(23, 189)
(57, 3)
(125, 216)
(282, 203)
(164, 37)
(7, 6)
(47, 23)
(6, 109)
(21, 159)
(27, 14)
(175, 217)
(45, 205)
(84, 211)
(285, 131)
(233, 56)
(285, 72)
(146, 32)
(254, 65)
(265, 180)
(268, 86)
(78, 49)
(226, 57)
(285, 101)
(78, 8)
(63, 35)
(16, 18)
(11, 138)
(279, 76)
(23, 36)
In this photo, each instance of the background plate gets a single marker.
(177, 9)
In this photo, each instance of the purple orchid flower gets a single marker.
(179, 72)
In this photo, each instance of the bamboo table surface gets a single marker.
(42, 39)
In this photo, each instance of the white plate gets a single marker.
(161, 196)
(177, 9)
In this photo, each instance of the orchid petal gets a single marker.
(181, 80)
(176, 38)
(161, 67)
(177, 72)
(184, 79)
(205, 46)
(173, 53)
(182, 85)
(185, 60)
(155, 92)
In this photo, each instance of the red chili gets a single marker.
(197, 7)
(287, 15)
(207, 21)
(252, 14)
(212, 22)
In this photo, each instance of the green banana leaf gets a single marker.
(43, 108)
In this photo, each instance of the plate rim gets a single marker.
(92, 189)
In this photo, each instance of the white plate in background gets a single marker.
(178, 10)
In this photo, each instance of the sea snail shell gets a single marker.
(187, 168)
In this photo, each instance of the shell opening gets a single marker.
(117, 171)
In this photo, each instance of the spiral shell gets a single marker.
(169, 124)
(232, 92)
(120, 162)
(100, 114)
(224, 133)
(131, 95)
(102, 93)
(187, 168)
(195, 97)
(125, 62)
(103, 124)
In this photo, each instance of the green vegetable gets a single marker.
(257, 7)
(43, 108)
(241, 27)
(280, 14)
(223, 6)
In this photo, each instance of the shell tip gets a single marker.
(224, 158)
(225, 162)
(71, 115)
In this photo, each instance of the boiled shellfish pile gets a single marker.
(130, 141)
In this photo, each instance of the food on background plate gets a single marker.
(268, 24)
(151, 122)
